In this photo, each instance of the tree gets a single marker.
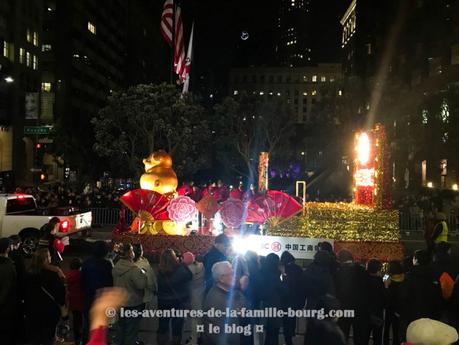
(145, 118)
(247, 125)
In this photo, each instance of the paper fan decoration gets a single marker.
(181, 209)
(208, 206)
(232, 212)
(272, 205)
(146, 200)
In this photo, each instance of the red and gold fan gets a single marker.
(148, 205)
(273, 205)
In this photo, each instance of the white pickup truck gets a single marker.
(19, 216)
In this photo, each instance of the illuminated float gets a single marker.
(368, 227)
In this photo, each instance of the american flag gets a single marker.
(166, 21)
(179, 46)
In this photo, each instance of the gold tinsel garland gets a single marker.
(342, 222)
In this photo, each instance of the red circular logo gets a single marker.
(276, 246)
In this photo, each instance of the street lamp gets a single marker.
(9, 79)
(455, 187)
(429, 185)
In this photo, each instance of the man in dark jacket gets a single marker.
(293, 294)
(7, 293)
(376, 300)
(96, 273)
(317, 280)
(351, 289)
(420, 291)
(325, 330)
(131, 278)
(217, 253)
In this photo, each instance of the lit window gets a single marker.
(323, 79)
(35, 62)
(332, 80)
(21, 55)
(29, 36)
(91, 28)
(340, 92)
(35, 38)
(314, 78)
(314, 92)
(235, 92)
(46, 87)
(425, 116)
(46, 47)
(6, 49)
(261, 93)
(305, 78)
(28, 62)
(305, 93)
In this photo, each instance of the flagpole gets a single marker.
(189, 60)
(171, 77)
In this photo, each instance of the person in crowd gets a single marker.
(429, 226)
(351, 290)
(17, 255)
(96, 274)
(253, 267)
(377, 300)
(223, 294)
(114, 254)
(293, 294)
(241, 272)
(272, 295)
(223, 192)
(317, 280)
(50, 240)
(217, 253)
(392, 283)
(430, 332)
(325, 330)
(442, 262)
(45, 298)
(133, 279)
(174, 280)
(420, 292)
(76, 298)
(151, 289)
(440, 233)
(327, 246)
(197, 289)
(8, 287)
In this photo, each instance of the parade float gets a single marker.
(368, 227)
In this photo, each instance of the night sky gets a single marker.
(219, 24)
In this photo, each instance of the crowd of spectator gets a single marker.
(37, 300)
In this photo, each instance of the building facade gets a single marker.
(405, 56)
(20, 37)
(303, 88)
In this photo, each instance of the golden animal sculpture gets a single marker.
(159, 175)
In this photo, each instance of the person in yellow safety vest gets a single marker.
(440, 233)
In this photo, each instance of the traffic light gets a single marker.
(38, 155)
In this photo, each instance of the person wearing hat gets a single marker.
(430, 332)
(440, 233)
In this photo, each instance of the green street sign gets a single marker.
(37, 130)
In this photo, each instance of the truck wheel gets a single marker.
(29, 242)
